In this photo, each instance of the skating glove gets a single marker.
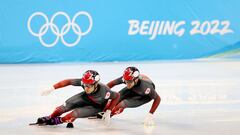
(106, 117)
(47, 91)
(149, 120)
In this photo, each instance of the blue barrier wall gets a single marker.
(108, 30)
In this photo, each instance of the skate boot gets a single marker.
(54, 121)
(100, 115)
(43, 120)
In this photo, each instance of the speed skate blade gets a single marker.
(32, 124)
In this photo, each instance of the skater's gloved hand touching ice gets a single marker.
(106, 117)
(148, 121)
(47, 91)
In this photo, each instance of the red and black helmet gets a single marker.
(90, 77)
(130, 74)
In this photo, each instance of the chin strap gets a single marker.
(135, 82)
(95, 88)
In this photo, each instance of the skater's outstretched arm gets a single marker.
(155, 104)
(149, 118)
(64, 83)
(115, 82)
(61, 84)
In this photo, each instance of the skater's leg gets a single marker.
(73, 102)
(118, 108)
(131, 102)
(125, 93)
(70, 104)
(136, 101)
(59, 111)
(82, 112)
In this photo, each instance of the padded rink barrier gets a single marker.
(108, 31)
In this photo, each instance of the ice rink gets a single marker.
(198, 97)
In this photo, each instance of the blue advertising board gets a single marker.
(43, 31)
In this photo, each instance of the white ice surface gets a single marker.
(198, 97)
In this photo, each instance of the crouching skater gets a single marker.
(95, 98)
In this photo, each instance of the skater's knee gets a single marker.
(62, 108)
(119, 108)
(70, 117)
(122, 104)
(58, 111)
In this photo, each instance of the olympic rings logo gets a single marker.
(60, 32)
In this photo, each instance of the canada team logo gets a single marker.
(147, 91)
(107, 95)
(59, 32)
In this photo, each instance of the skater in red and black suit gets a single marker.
(139, 90)
(95, 98)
